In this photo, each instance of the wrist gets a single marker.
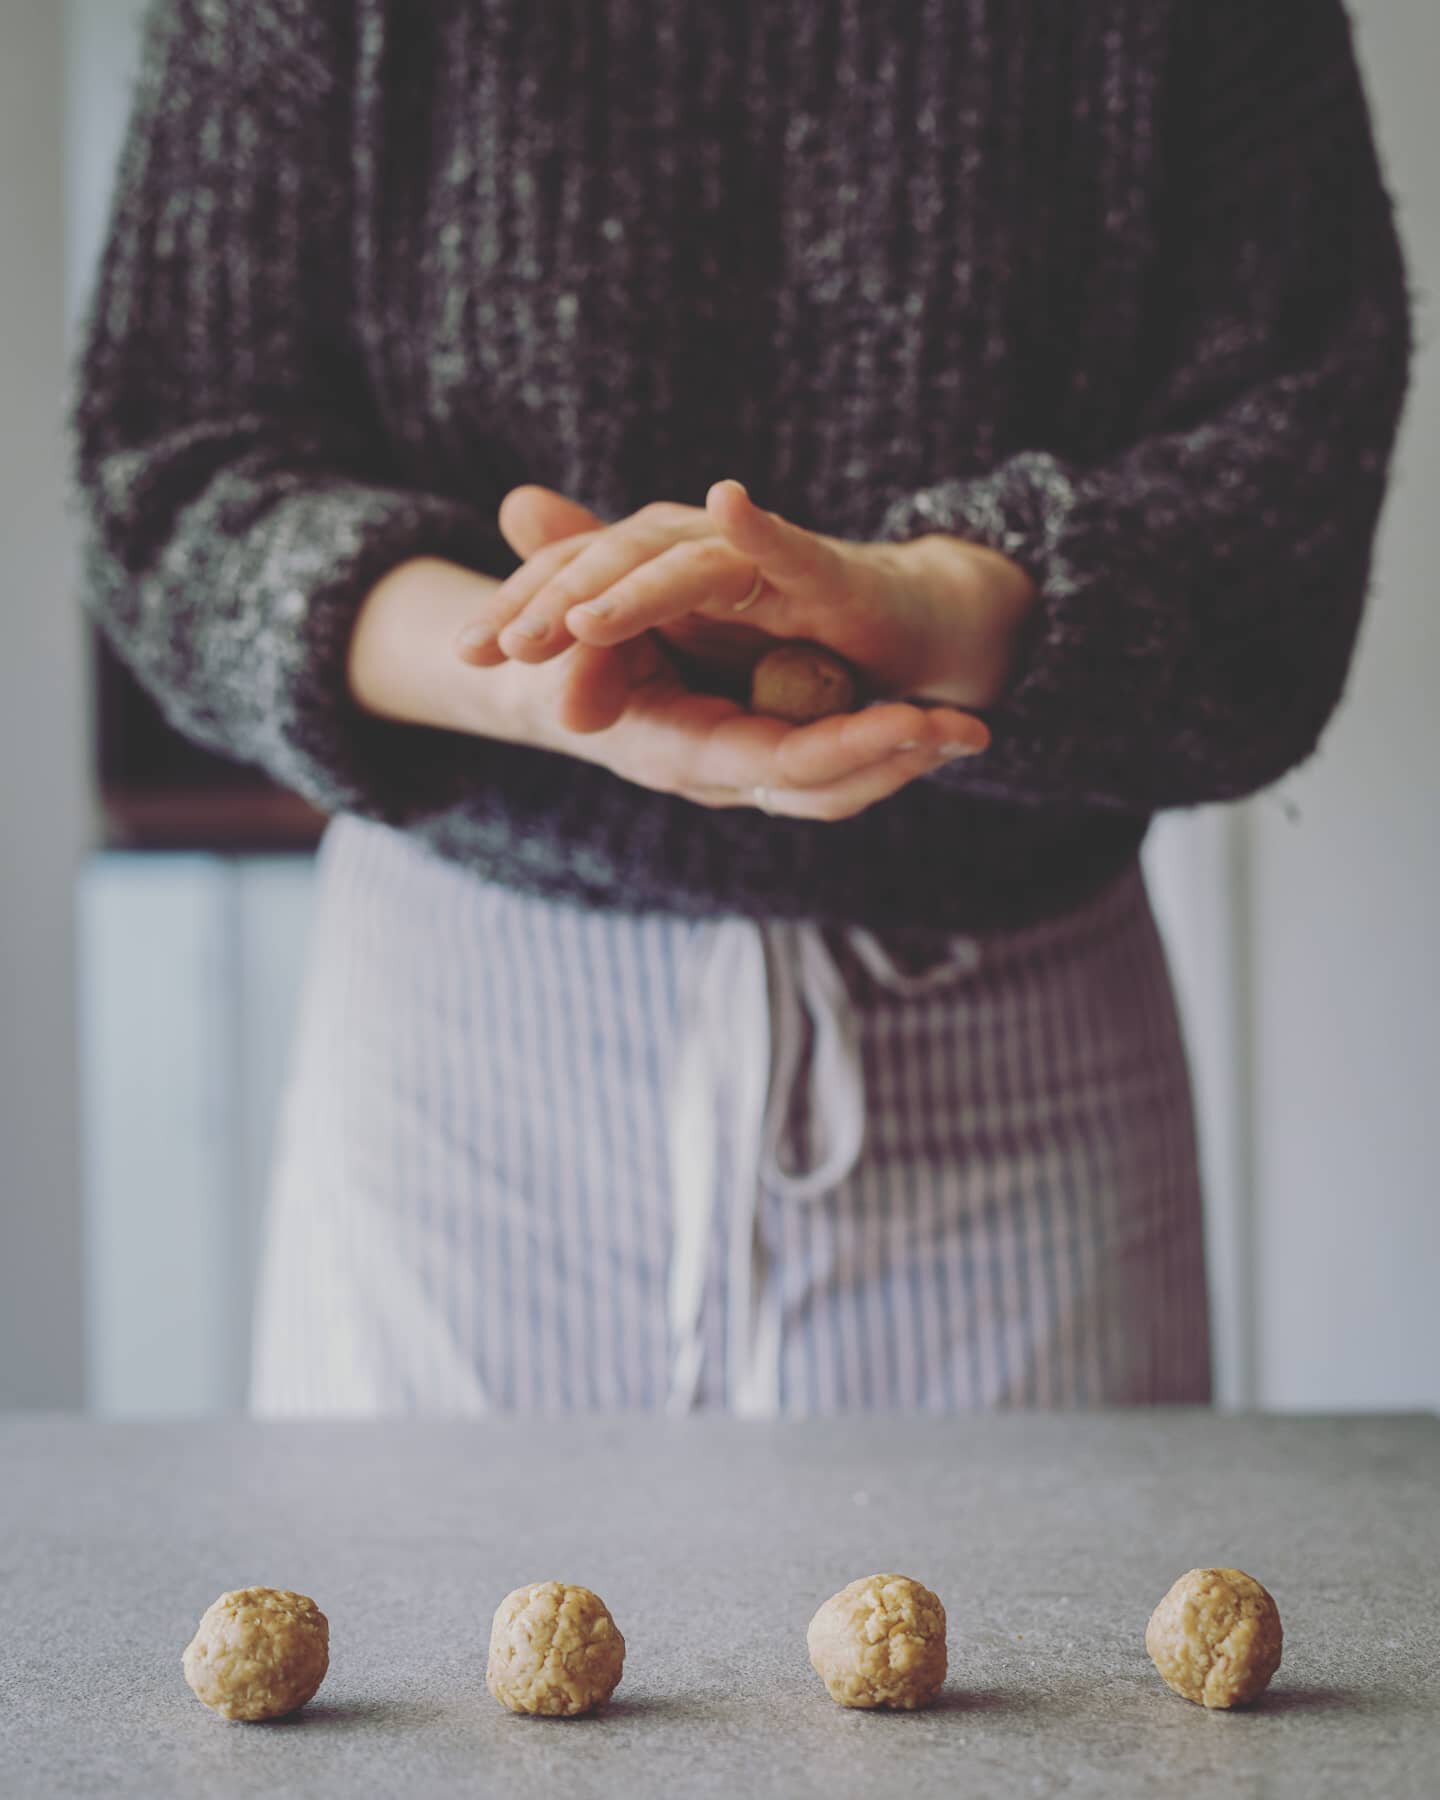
(401, 664)
(979, 601)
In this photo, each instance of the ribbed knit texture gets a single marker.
(1112, 286)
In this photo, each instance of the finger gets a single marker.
(831, 749)
(789, 555)
(478, 642)
(532, 516)
(845, 799)
(706, 741)
(599, 688)
(596, 690)
(701, 575)
(537, 629)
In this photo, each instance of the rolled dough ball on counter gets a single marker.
(258, 1653)
(802, 682)
(554, 1649)
(1215, 1637)
(880, 1642)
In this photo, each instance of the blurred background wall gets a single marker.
(148, 996)
(44, 804)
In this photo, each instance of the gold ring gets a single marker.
(754, 593)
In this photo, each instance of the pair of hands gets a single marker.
(595, 608)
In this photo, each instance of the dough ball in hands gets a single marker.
(554, 1649)
(801, 682)
(258, 1653)
(1215, 1637)
(880, 1642)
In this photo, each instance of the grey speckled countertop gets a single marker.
(1048, 1538)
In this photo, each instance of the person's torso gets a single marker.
(834, 249)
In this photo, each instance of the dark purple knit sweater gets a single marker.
(1113, 286)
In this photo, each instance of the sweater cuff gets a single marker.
(325, 552)
(1086, 664)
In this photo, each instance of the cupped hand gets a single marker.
(663, 736)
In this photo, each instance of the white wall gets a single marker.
(1197, 872)
(1346, 909)
(102, 42)
(44, 802)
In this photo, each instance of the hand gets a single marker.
(934, 619)
(628, 710)
(714, 752)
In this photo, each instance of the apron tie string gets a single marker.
(752, 994)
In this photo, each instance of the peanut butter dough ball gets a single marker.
(1215, 1637)
(258, 1653)
(880, 1642)
(554, 1649)
(801, 682)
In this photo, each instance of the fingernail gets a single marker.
(474, 637)
(909, 744)
(531, 629)
(595, 609)
(950, 751)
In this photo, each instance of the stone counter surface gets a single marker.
(1049, 1539)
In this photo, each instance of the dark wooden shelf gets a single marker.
(208, 818)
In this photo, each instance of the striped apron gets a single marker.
(537, 1157)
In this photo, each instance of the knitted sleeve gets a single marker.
(231, 473)
(1201, 591)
